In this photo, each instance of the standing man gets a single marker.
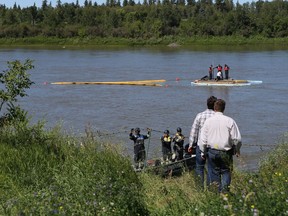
(178, 146)
(226, 70)
(139, 147)
(210, 71)
(221, 137)
(195, 135)
(166, 141)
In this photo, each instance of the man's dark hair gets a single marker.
(219, 105)
(210, 102)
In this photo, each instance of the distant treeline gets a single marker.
(148, 19)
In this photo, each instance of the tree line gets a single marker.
(149, 19)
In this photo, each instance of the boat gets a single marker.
(173, 167)
(229, 82)
(204, 81)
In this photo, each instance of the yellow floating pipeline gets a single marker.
(139, 82)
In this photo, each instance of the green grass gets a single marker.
(45, 172)
(120, 42)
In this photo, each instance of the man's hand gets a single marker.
(203, 156)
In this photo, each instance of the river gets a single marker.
(259, 110)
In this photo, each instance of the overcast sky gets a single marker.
(27, 3)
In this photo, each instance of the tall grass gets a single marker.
(45, 172)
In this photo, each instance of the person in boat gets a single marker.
(211, 72)
(139, 147)
(219, 76)
(166, 141)
(226, 70)
(219, 68)
(220, 139)
(178, 146)
(195, 136)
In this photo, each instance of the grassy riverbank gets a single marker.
(49, 173)
(174, 41)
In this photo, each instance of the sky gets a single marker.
(28, 3)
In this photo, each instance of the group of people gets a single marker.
(169, 152)
(178, 147)
(219, 72)
(216, 138)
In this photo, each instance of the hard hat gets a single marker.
(137, 130)
(179, 130)
(166, 132)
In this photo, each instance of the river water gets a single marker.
(259, 110)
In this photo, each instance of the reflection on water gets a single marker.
(259, 110)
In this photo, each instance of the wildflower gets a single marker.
(60, 207)
(255, 212)
(225, 198)
(250, 181)
(226, 206)
(252, 206)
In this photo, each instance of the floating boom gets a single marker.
(137, 82)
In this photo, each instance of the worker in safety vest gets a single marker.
(210, 71)
(226, 70)
(166, 141)
(139, 147)
(178, 148)
(219, 69)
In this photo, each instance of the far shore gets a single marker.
(233, 42)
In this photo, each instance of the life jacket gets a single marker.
(178, 138)
(139, 139)
(166, 141)
(226, 68)
(219, 68)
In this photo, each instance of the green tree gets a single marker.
(14, 82)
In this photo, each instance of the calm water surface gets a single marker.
(259, 110)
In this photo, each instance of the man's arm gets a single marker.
(203, 140)
(193, 138)
(236, 138)
(131, 134)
